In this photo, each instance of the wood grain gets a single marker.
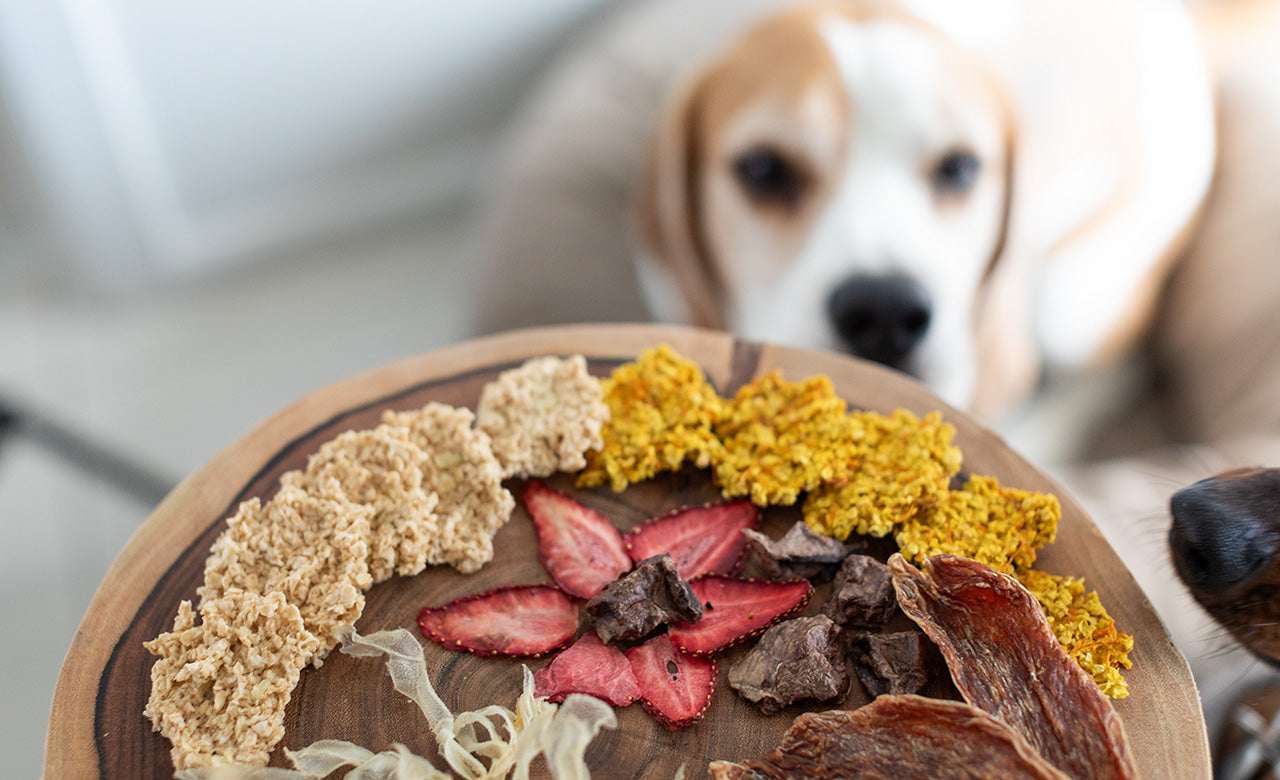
(97, 728)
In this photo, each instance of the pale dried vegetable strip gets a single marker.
(905, 465)
(1004, 659)
(662, 411)
(1084, 628)
(543, 417)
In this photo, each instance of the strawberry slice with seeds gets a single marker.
(701, 540)
(589, 666)
(675, 688)
(579, 546)
(520, 621)
(735, 609)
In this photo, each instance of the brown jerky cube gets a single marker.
(893, 663)
(650, 595)
(863, 596)
(801, 553)
(801, 659)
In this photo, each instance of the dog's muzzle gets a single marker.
(880, 318)
(1223, 534)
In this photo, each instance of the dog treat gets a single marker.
(661, 415)
(898, 663)
(1004, 659)
(543, 416)
(591, 667)
(381, 469)
(1001, 527)
(783, 438)
(734, 610)
(219, 689)
(801, 553)
(801, 659)
(904, 464)
(678, 698)
(312, 549)
(1083, 627)
(862, 596)
(577, 545)
(517, 621)
(897, 738)
(461, 468)
(650, 595)
(700, 539)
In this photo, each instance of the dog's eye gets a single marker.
(768, 177)
(956, 172)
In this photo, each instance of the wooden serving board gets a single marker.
(97, 728)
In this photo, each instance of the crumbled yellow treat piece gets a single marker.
(219, 689)
(1083, 627)
(312, 549)
(461, 469)
(381, 469)
(661, 414)
(904, 466)
(782, 438)
(543, 417)
(1001, 527)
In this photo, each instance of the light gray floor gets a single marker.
(169, 378)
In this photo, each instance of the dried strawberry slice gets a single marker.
(734, 609)
(675, 688)
(701, 540)
(589, 666)
(514, 620)
(579, 546)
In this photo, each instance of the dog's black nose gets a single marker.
(880, 318)
(1223, 533)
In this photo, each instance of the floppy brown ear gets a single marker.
(668, 208)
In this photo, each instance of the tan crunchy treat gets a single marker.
(381, 469)
(904, 465)
(312, 549)
(219, 690)
(543, 417)
(461, 468)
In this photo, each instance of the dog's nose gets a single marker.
(880, 318)
(1221, 537)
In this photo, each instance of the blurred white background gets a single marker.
(208, 210)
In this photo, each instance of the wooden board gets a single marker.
(97, 728)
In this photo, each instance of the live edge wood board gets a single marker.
(97, 728)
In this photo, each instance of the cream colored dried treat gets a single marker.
(543, 417)
(313, 549)
(463, 471)
(219, 690)
(381, 469)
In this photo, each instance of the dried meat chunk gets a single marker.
(801, 553)
(862, 596)
(543, 417)
(896, 663)
(801, 659)
(650, 595)
(1005, 660)
(896, 738)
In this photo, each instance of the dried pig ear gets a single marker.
(1004, 659)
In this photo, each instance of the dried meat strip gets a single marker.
(1004, 659)
(897, 738)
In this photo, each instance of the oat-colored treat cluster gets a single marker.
(543, 417)
(783, 438)
(285, 581)
(662, 414)
(1083, 627)
(219, 689)
(903, 466)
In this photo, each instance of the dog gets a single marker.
(1061, 218)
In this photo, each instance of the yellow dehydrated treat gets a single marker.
(459, 467)
(381, 469)
(661, 414)
(219, 690)
(1083, 627)
(1001, 527)
(782, 438)
(312, 549)
(543, 417)
(904, 465)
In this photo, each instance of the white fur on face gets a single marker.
(881, 213)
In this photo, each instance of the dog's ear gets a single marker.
(667, 213)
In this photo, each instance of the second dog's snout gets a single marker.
(1221, 537)
(880, 318)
